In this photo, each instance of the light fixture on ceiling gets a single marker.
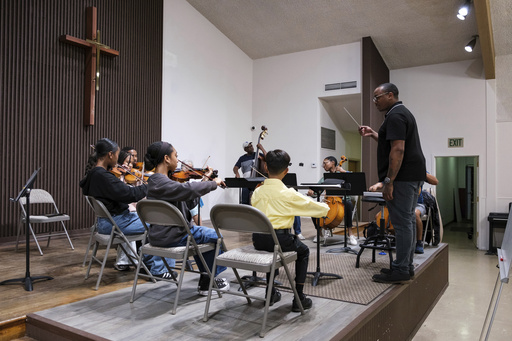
(471, 45)
(464, 10)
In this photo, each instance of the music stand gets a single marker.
(318, 189)
(355, 184)
(27, 280)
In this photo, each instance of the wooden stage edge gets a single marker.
(396, 315)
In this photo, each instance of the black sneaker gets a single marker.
(394, 277)
(307, 303)
(167, 275)
(389, 271)
(275, 297)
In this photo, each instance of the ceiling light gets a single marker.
(471, 45)
(464, 10)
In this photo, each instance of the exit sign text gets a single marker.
(456, 142)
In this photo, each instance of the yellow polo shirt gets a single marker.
(281, 204)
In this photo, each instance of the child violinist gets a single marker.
(163, 157)
(104, 186)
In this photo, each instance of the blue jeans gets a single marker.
(297, 224)
(203, 235)
(129, 223)
(401, 213)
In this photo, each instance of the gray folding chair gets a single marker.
(426, 219)
(93, 229)
(116, 237)
(245, 218)
(40, 196)
(159, 212)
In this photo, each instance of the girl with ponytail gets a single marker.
(104, 186)
(163, 157)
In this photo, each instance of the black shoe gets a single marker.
(122, 267)
(389, 271)
(167, 275)
(307, 303)
(393, 277)
(275, 297)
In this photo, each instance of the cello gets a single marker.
(259, 163)
(336, 208)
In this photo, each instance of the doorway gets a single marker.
(457, 193)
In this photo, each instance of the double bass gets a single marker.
(336, 208)
(259, 164)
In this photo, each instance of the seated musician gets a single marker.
(330, 165)
(122, 261)
(132, 152)
(163, 157)
(246, 164)
(281, 204)
(104, 186)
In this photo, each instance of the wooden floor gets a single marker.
(65, 265)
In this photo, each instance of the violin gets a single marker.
(135, 175)
(118, 171)
(183, 175)
(190, 172)
(130, 177)
(138, 165)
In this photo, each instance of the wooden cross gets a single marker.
(92, 61)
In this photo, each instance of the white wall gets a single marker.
(207, 94)
(286, 99)
(213, 93)
(503, 137)
(450, 100)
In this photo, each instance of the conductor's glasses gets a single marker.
(376, 98)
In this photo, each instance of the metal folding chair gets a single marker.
(40, 196)
(245, 218)
(116, 237)
(93, 229)
(159, 212)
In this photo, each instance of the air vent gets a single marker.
(339, 86)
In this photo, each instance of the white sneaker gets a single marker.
(301, 237)
(321, 239)
(352, 240)
(222, 284)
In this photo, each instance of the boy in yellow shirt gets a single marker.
(281, 204)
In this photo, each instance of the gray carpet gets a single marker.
(356, 286)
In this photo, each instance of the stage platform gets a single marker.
(395, 314)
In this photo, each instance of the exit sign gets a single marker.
(456, 142)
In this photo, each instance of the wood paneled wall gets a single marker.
(375, 72)
(42, 95)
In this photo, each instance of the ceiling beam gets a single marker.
(484, 23)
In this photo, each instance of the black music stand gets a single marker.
(27, 280)
(355, 184)
(318, 189)
(380, 241)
